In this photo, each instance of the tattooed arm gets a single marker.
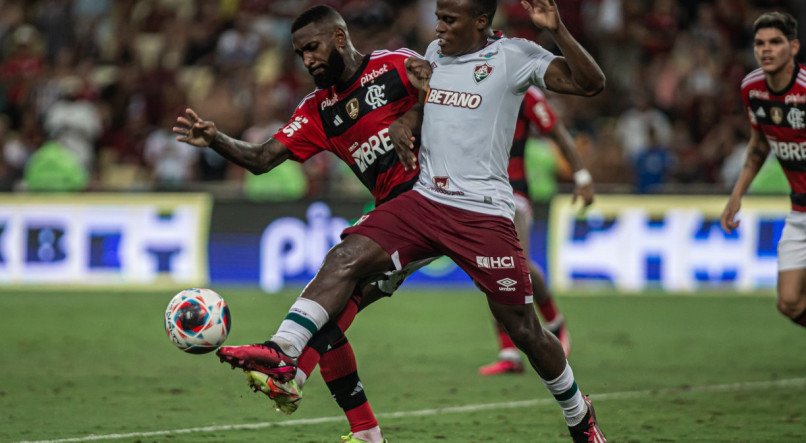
(757, 150)
(256, 157)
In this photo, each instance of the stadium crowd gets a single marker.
(89, 89)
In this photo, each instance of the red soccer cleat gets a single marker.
(588, 430)
(261, 357)
(502, 367)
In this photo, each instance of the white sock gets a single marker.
(302, 321)
(568, 396)
(372, 435)
(300, 378)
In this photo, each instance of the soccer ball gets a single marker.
(197, 320)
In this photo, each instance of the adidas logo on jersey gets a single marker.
(760, 112)
(337, 121)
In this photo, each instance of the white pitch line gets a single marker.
(730, 387)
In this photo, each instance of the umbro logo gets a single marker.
(761, 112)
(507, 284)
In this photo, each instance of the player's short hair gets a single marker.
(317, 14)
(486, 7)
(778, 20)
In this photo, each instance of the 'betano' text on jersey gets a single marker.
(352, 121)
(469, 123)
(781, 117)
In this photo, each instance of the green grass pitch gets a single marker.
(658, 367)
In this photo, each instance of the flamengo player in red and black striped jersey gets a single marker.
(536, 112)
(775, 98)
(357, 98)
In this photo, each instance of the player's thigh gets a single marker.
(523, 221)
(488, 250)
(792, 259)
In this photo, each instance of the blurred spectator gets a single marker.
(652, 165)
(637, 123)
(673, 70)
(55, 168)
(285, 182)
(172, 164)
(74, 121)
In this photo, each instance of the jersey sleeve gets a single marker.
(537, 109)
(431, 52)
(527, 63)
(400, 65)
(746, 102)
(303, 134)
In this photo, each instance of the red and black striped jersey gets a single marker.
(535, 110)
(352, 119)
(781, 117)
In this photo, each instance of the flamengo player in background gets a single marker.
(775, 97)
(536, 111)
(462, 205)
(349, 114)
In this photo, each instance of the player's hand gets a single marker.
(191, 129)
(728, 219)
(544, 13)
(585, 193)
(403, 139)
(419, 72)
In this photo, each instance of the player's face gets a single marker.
(458, 29)
(318, 51)
(773, 50)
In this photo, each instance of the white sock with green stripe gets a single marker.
(302, 321)
(568, 395)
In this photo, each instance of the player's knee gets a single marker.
(344, 259)
(790, 307)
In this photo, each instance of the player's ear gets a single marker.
(482, 22)
(340, 39)
(795, 45)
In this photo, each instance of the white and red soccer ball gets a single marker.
(197, 320)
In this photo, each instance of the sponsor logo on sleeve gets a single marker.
(290, 129)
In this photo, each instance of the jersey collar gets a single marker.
(343, 86)
(789, 86)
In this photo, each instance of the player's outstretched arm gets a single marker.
(575, 72)
(402, 131)
(757, 150)
(583, 182)
(257, 158)
(418, 72)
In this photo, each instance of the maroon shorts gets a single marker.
(411, 227)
